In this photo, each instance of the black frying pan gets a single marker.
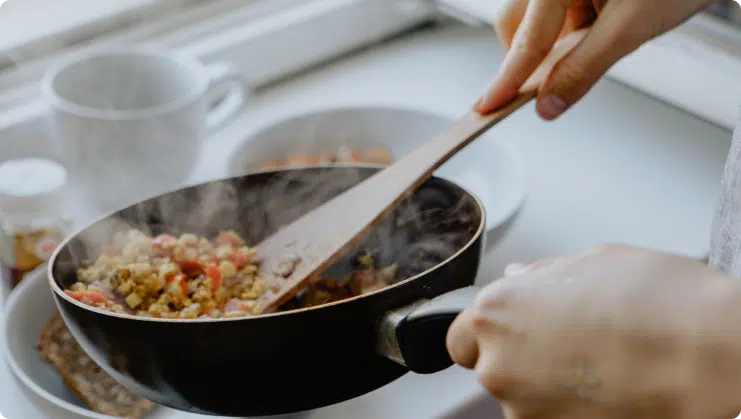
(294, 360)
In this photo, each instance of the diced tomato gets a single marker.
(190, 267)
(239, 259)
(162, 244)
(180, 279)
(88, 297)
(213, 272)
(228, 237)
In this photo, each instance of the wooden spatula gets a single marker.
(293, 256)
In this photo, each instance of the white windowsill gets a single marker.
(27, 21)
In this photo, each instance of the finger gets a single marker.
(496, 375)
(577, 17)
(609, 40)
(508, 20)
(461, 341)
(533, 40)
(599, 5)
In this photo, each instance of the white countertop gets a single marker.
(621, 167)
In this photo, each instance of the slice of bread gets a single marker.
(93, 386)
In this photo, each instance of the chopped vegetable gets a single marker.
(170, 277)
(214, 274)
(90, 298)
(191, 277)
(162, 244)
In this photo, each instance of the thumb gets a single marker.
(609, 39)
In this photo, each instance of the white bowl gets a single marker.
(489, 168)
(26, 311)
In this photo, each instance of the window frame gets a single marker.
(107, 17)
(261, 37)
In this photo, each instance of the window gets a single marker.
(268, 37)
(33, 28)
(35, 39)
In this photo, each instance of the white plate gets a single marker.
(26, 311)
(489, 168)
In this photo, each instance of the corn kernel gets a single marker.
(141, 269)
(126, 287)
(79, 287)
(189, 239)
(223, 252)
(228, 270)
(175, 290)
(133, 301)
(168, 269)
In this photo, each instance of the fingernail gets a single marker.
(551, 107)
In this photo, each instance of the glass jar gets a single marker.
(32, 193)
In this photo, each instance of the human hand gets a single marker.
(528, 29)
(615, 332)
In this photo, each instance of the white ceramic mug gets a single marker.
(129, 121)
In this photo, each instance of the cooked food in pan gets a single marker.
(433, 243)
(192, 277)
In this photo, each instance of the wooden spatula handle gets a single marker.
(418, 166)
(322, 236)
(471, 126)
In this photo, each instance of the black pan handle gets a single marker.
(415, 335)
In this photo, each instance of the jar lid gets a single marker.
(31, 185)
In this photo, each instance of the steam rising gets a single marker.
(422, 233)
(426, 229)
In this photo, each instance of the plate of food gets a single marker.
(46, 358)
(50, 363)
(489, 168)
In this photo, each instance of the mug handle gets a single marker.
(226, 85)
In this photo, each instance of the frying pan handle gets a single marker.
(415, 335)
